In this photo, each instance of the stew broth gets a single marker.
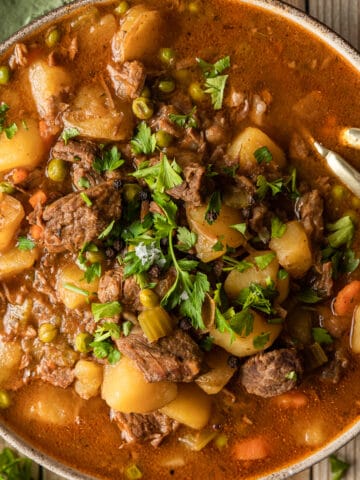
(281, 80)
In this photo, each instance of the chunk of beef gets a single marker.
(333, 371)
(110, 286)
(174, 358)
(19, 56)
(136, 427)
(259, 220)
(271, 373)
(128, 80)
(82, 155)
(310, 207)
(321, 279)
(162, 121)
(193, 189)
(69, 223)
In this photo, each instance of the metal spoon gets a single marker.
(351, 137)
(341, 168)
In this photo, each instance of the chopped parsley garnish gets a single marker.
(144, 141)
(186, 239)
(282, 274)
(142, 258)
(211, 70)
(338, 468)
(75, 289)
(162, 176)
(278, 228)
(186, 121)
(242, 323)
(213, 208)
(321, 335)
(307, 295)
(126, 328)
(264, 187)
(83, 182)
(341, 232)
(263, 155)
(261, 340)
(291, 376)
(105, 310)
(11, 130)
(233, 264)
(86, 199)
(218, 246)
(215, 87)
(263, 261)
(92, 271)
(13, 467)
(102, 345)
(207, 343)
(240, 227)
(258, 297)
(25, 243)
(109, 161)
(106, 232)
(69, 133)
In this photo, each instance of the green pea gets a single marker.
(143, 108)
(337, 192)
(57, 170)
(52, 37)
(166, 86)
(163, 139)
(95, 257)
(131, 192)
(6, 187)
(122, 8)
(196, 92)
(47, 332)
(82, 342)
(4, 75)
(167, 56)
(146, 92)
(5, 400)
(183, 76)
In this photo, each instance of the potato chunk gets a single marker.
(10, 357)
(293, 249)
(220, 229)
(25, 149)
(247, 142)
(95, 115)
(139, 36)
(70, 279)
(48, 83)
(88, 378)
(243, 346)
(219, 374)
(16, 261)
(125, 389)
(192, 406)
(11, 215)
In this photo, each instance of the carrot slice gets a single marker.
(19, 175)
(37, 198)
(253, 448)
(347, 299)
(36, 232)
(291, 400)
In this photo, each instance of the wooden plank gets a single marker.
(341, 15)
(297, 3)
(305, 475)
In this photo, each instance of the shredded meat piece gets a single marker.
(162, 121)
(136, 427)
(258, 221)
(75, 151)
(128, 80)
(174, 358)
(321, 279)
(110, 286)
(19, 57)
(69, 223)
(267, 374)
(310, 207)
(333, 371)
(193, 189)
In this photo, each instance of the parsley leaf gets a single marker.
(188, 120)
(218, 246)
(263, 155)
(215, 88)
(86, 199)
(264, 186)
(338, 468)
(162, 176)
(261, 340)
(263, 261)
(92, 271)
(213, 208)
(321, 335)
(126, 328)
(257, 297)
(3, 110)
(191, 307)
(307, 295)
(73, 288)
(144, 141)
(69, 133)
(242, 322)
(13, 467)
(105, 310)
(186, 239)
(282, 274)
(234, 264)
(25, 243)
(106, 232)
(240, 227)
(11, 130)
(291, 376)
(278, 228)
(83, 182)
(213, 70)
(110, 160)
(342, 232)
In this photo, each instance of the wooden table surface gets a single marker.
(344, 17)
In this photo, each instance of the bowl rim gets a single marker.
(342, 48)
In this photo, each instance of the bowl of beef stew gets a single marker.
(179, 264)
